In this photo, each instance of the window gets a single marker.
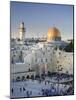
(18, 78)
(32, 76)
(23, 78)
(27, 77)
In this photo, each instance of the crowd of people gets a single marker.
(53, 91)
(54, 88)
(21, 90)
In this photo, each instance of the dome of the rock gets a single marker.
(53, 34)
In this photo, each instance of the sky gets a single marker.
(38, 18)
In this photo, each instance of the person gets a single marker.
(40, 81)
(12, 90)
(45, 82)
(30, 92)
(24, 89)
(20, 89)
(27, 93)
(39, 93)
(48, 81)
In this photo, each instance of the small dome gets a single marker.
(53, 34)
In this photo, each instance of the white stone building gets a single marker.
(41, 58)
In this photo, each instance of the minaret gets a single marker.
(22, 31)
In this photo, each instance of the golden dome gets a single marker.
(53, 34)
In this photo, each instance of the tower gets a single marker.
(22, 31)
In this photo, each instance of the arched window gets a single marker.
(23, 78)
(32, 76)
(27, 77)
(18, 78)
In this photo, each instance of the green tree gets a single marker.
(70, 47)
